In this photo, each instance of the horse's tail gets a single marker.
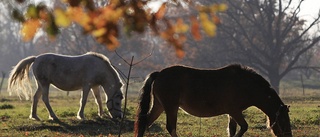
(144, 105)
(18, 80)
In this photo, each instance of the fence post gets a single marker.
(3, 76)
(131, 64)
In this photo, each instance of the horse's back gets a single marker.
(212, 91)
(232, 75)
(69, 72)
(59, 62)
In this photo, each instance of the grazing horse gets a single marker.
(208, 93)
(88, 71)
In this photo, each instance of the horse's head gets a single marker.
(281, 124)
(114, 105)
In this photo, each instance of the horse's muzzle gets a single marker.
(116, 116)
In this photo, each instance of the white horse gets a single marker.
(88, 71)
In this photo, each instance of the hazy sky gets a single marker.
(310, 9)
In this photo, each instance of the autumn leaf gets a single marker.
(112, 15)
(44, 15)
(99, 32)
(216, 19)
(222, 7)
(29, 29)
(180, 53)
(208, 26)
(181, 27)
(161, 12)
(78, 15)
(32, 11)
(164, 35)
(195, 28)
(97, 19)
(114, 43)
(61, 18)
(114, 3)
(117, 14)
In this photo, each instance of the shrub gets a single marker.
(6, 106)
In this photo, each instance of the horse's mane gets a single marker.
(243, 67)
(99, 55)
(106, 59)
(251, 71)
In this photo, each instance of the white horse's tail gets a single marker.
(19, 82)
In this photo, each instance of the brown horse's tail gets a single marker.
(17, 80)
(144, 106)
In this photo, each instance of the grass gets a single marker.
(304, 114)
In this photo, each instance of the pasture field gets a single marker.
(14, 113)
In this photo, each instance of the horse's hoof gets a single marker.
(103, 116)
(81, 118)
(53, 118)
(35, 118)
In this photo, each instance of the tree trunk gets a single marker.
(275, 83)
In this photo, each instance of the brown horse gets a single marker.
(208, 93)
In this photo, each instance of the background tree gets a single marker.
(10, 40)
(268, 35)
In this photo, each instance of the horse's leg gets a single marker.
(83, 101)
(232, 127)
(96, 94)
(155, 112)
(171, 126)
(238, 117)
(45, 99)
(35, 101)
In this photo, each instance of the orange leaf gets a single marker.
(214, 8)
(61, 18)
(29, 29)
(216, 19)
(195, 28)
(114, 43)
(180, 26)
(161, 12)
(78, 15)
(44, 15)
(180, 53)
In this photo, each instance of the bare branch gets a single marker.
(144, 57)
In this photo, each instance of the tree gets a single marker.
(103, 21)
(10, 40)
(268, 35)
